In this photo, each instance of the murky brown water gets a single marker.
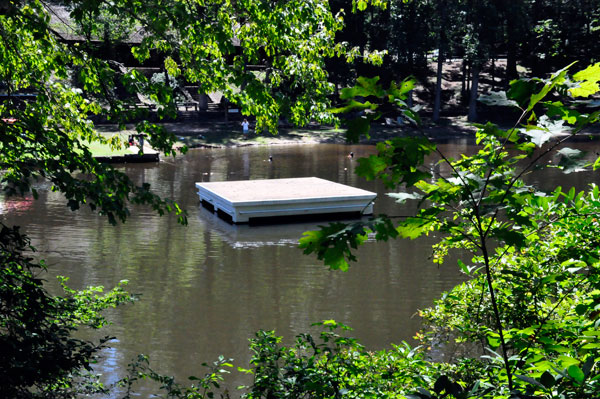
(206, 288)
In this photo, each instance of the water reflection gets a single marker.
(246, 236)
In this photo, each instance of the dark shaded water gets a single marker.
(206, 288)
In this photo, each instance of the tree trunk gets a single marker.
(437, 103)
(107, 47)
(438, 88)
(511, 64)
(493, 72)
(203, 102)
(511, 43)
(469, 67)
(473, 94)
(463, 90)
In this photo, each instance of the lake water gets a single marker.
(207, 287)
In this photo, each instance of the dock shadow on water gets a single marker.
(278, 230)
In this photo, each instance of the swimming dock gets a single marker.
(243, 200)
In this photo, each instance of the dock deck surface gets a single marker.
(246, 199)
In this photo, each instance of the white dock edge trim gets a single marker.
(359, 207)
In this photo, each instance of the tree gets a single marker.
(560, 32)
(479, 35)
(540, 35)
(517, 24)
(46, 129)
(526, 244)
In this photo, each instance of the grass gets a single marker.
(104, 150)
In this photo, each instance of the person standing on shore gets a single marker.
(245, 126)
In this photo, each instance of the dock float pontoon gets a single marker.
(244, 200)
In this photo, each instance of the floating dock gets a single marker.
(243, 200)
(130, 158)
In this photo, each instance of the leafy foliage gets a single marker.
(545, 291)
(201, 387)
(333, 243)
(48, 135)
(369, 89)
(530, 305)
(199, 43)
(40, 358)
(331, 365)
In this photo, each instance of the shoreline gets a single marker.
(204, 134)
(214, 135)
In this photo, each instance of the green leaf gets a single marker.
(414, 227)
(333, 244)
(360, 4)
(493, 340)
(397, 161)
(491, 129)
(530, 380)
(591, 346)
(526, 147)
(596, 163)
(559, 109)
(547, 379)
(560, 349)
(521, 91)
(585, 89)
(357, 127)
(463, 267)
(592, 73)
(353, 105)
(396, 92)
(576, 373)
(371, 167)
(587, 81)
(402, 197)
(365, 87)
(557, 78)
(581, 309)
(510, 237)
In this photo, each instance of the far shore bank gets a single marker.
(204, 134)
(229, 134)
